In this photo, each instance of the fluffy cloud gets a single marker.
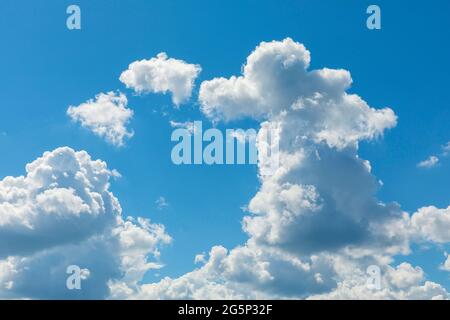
(431, 162)
(161, 75)
(431, 224)
(107, 116)
(249, 272)
(323, 195)
(62, 213)
(315, 224)
(246, 272)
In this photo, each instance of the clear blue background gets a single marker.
(45, 68)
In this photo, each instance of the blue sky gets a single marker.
(46, 68)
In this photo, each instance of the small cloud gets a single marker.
(446, 149)
(431, 162)
(200, 258)
(161, 203)
(245, 208)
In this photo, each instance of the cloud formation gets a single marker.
(432, 224)
(161, 75)
(434, 160)
(315, 225)
(107, 116)
(62, 213)
(403, 282)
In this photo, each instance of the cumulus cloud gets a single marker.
(431, 224)
(276, 82)
(106, 116)
(161, 75)
(200, 258)
(315, 224)
(62, 213)
(188, 125)
(431, 162)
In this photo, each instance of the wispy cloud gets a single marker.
(161, 203)
(431, 162)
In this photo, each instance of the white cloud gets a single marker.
(316, 224)
(405, 275)
(403, 282)
(200, 258)
(446, 149)
(276, 82)
(431, 224)
(313, 227)
(188, 125)
(62, 213)
(107, 116)
(244, 273)
(161, 75)
(431, 162)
